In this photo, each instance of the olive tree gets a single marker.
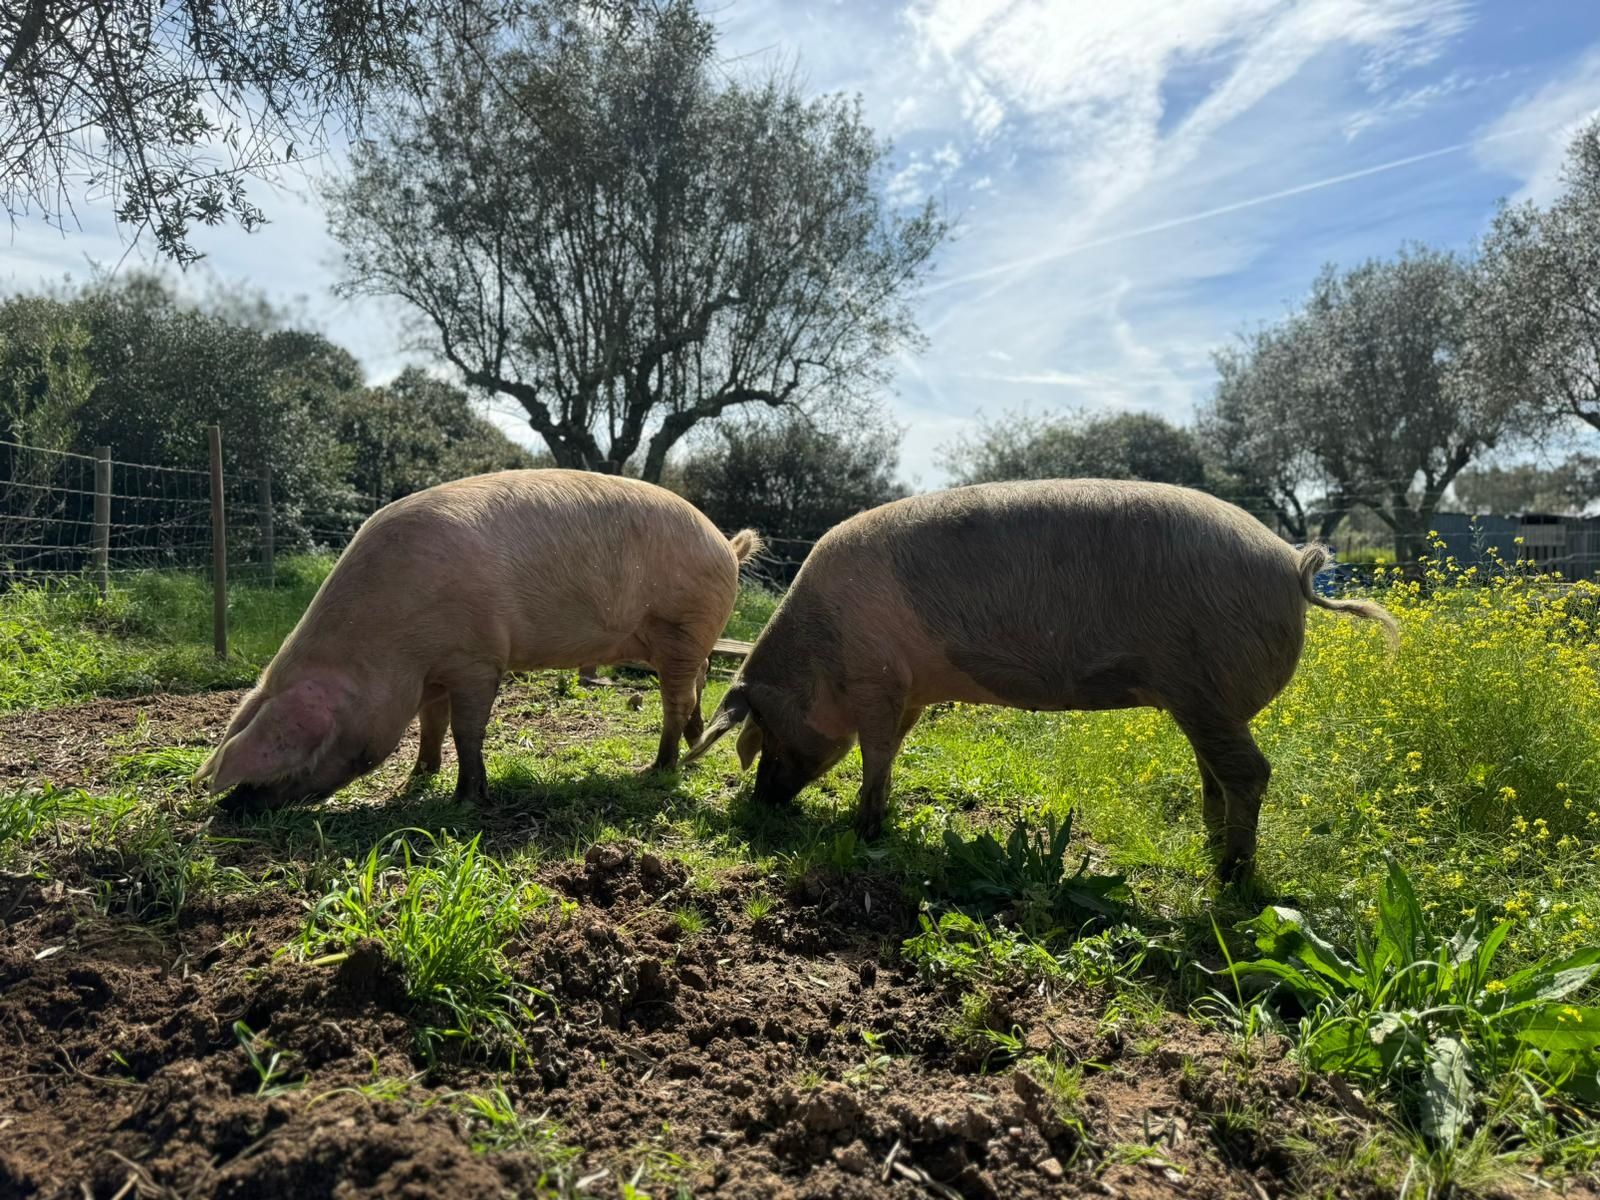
(1536, 306)
(1129, 445)
(601, 225)
(171, 107)
(1259, 443)
(1365, 394)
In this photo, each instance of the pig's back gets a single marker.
(533, 566)
(1081, 593)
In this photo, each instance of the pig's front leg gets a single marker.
(469, 717)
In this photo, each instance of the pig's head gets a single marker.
(284, 747)
(774, 727)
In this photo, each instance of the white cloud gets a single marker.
(1529, 141)
(1413, 102)
(1046, 377)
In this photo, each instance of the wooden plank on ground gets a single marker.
(732, 648)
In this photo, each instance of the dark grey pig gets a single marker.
(1062, 594)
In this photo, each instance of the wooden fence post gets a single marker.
(267, 549)
(102, 519)
(219, 549)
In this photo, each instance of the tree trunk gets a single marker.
(1328, 522)
(1407, 535)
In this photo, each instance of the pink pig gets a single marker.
(442, 593)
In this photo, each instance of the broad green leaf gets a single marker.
(1575, 1072)
(1487, 951)
(1281, 934)
(1550, 981)
(1343, 1045)
(1402, 925)
(1563, 1027)
(1262, 973)
(1447, 1092)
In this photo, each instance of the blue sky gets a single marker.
(1134, 182)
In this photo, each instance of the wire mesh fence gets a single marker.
(65, 514)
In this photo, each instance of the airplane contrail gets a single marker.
(1023, 264)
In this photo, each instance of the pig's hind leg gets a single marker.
(434, 718)
(696, 724)
(1240, 772)
(680, 662)
(470, 706)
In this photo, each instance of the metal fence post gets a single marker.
(219, 549)
(102, 519)
(267, 549)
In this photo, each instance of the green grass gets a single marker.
(751, 611)
(61, 642)
(443, 913)
(140, 861)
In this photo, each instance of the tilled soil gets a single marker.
(791, 1055)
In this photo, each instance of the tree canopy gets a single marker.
(791, 478)
(172, 107)
(1364, 395)
(1127, 445)
(1568, 486)
(600, 224)
(1536, 307)
(132, 365)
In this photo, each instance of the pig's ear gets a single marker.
(749, 743)
(735, 707)
(285, 737)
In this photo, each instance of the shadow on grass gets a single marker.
(535, 810)
(545, 807)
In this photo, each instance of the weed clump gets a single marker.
(444, 912)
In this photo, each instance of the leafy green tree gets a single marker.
(172, 108)
(1566, 487)
(1256, 441)
(1535, 312)
(599, 223)
(45, 380)
(417, 431)
(1365, 395)
(45, 375)
(790, 478)
(1129, 445)
(165, 370)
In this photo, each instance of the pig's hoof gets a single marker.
(1234, 870)
(247, 801)
(423, 770)
(869, 826)
(657, 768)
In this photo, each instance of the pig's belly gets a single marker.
(1041, 684)
(572, 640)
